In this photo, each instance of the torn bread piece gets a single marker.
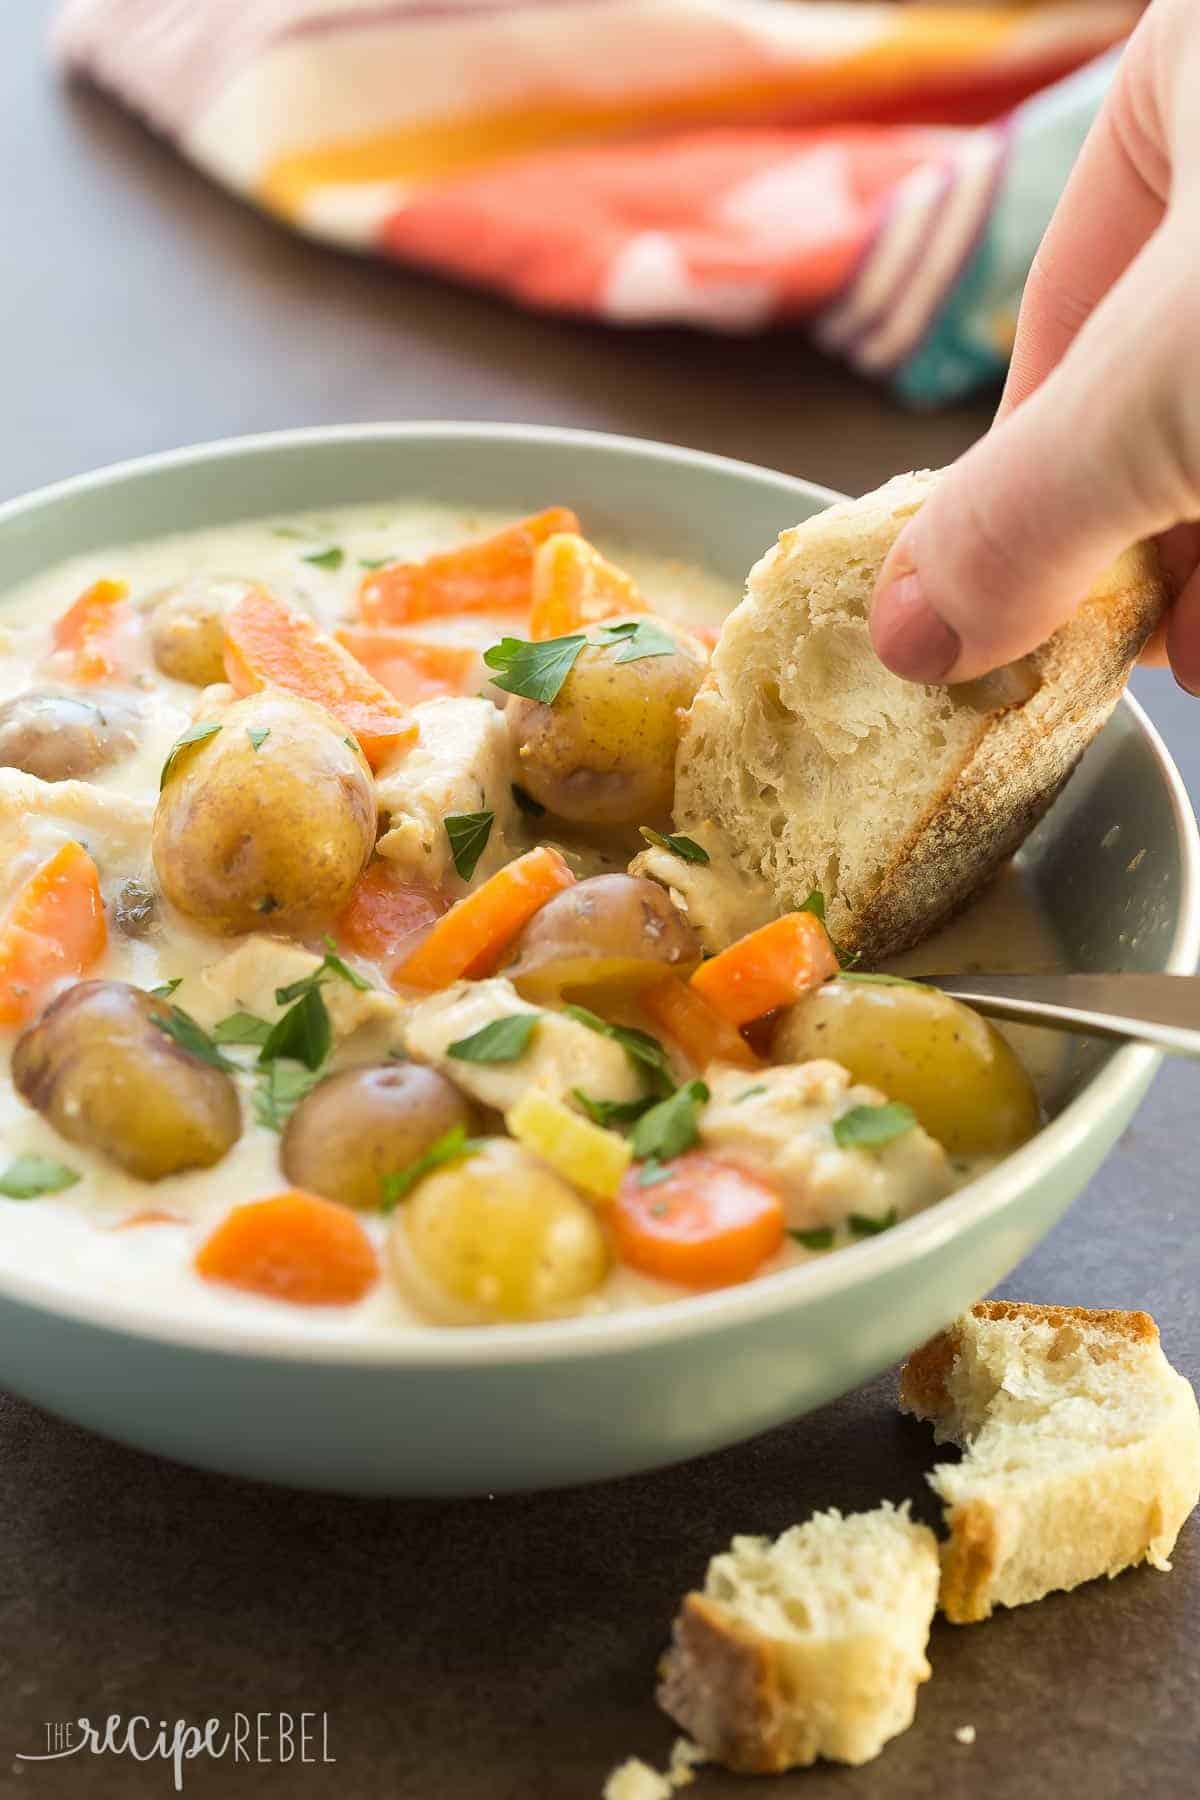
(813, 1645)
(1082, 1449)
(803, 763)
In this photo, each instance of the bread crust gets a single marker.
(718, 1684)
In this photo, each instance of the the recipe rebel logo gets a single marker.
(259, 1737)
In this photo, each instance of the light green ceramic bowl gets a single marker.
(453, 1412)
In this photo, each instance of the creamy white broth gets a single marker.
(81, 1236)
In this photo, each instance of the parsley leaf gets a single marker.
(303, 1034)
(670, 1128)
(819, 1238)
(686, 848)
(333, 558)
(468, 834)
(167, 989)
(375, 562)
(650, 1174)
(870, 1127)
(760, 1087)
(866, 975)
(183, 1029)
(814, 904)
(639, 640)
(452, 1146)
(612, 1112)
(863, 1225)
(241, 1028)
(332, 965)
(29, 1176)
(500, 1041)
(535, 671)
(280, 1091)
(258, 735)
(526, 802)
(644, 1052)
(195, 734)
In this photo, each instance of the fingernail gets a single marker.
(908, 635)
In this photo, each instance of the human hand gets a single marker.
(1097, 440)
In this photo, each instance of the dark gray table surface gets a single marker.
(500, 1650)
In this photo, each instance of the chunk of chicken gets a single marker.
(246, 978)
(779, 1124)
(36, 816)
(460, 763)
(562, 1054)
(720, 903)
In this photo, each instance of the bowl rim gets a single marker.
(644, 1327)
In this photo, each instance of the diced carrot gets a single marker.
(574, 587)
(55, 928)
(494, 574)
(292, 1246)
(90, 627)
(412, 668)
(385, 914)
(470, 940)
(704, 1035)
(269, 643)
(707, 1223)
(771, 967)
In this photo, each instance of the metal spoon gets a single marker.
(1163, 1010)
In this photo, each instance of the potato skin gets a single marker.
(64, 737)
(276, 835)
(105, 1075)
(187, 628)
(356, 1127)
(618, 932)
(603, 753)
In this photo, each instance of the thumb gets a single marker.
(1106, 451)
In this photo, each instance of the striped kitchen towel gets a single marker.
(882, 171)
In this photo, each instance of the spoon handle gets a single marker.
(1163, 1010)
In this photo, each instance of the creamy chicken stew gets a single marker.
(331, 979)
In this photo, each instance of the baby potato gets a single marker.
(496, 1237)
(270, 820)
(187, 631)
(357, 1127)
(61, 737)
(618, 932)
(953, 1068)
(603, 753)
(101, 1069)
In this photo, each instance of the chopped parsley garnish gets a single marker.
(760, 1087)
(184, 1031)
(451, 1147)
(468, 834)
(29, 1176)
(639, 639)
(534, 671)
(644, 1052)
(289, 531)
(500, 1041)
(241, 1028)
(870, 1127)
(258, 735)
(375, 562)
(333, 558)
(303, 1034)
(167, 989)
(863, 1225)
(280, 1091)
(865, 975)
(195, 734)
(352, 743)
(686, 848)
(671, 1127)
(526, 802)
(612, 1112)
(814, 904)
(332, 965)
(649, 1175)
(819, 1238)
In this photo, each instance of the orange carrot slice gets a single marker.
(707, 1223)
(771, 967)
(412, 668)
(471, 938)
(90, 627)
(704, 1035)
(495, 574)
(574, 587)
(384, 915)
(292, 1246)
(268, 643)
(55, 928)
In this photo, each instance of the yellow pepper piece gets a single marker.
(590, 1158)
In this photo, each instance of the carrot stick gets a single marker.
(494, 574)
(54, 929)
(292, 1246)
(705, 1223)
(412, 668)
(89, 629)
(704, 1035)
(471, 938)
(771, 967)
(268, 643)
(574, 587)
(384, 915)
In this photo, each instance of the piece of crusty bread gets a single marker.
(813, 1645)
(803, 763)
(1082, 1449)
